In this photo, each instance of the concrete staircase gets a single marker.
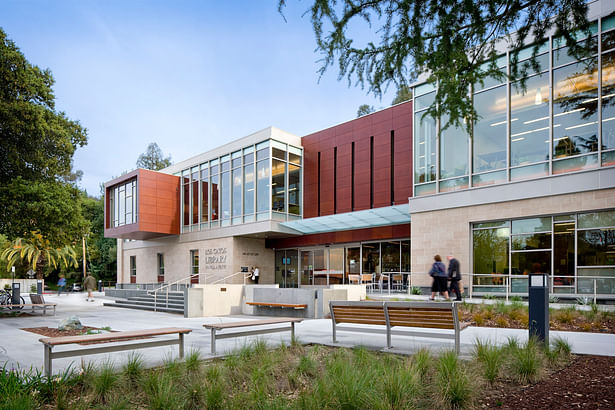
(143, 301)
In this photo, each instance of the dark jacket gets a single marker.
(438, 269)
(453, 270)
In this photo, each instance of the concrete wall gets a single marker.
(286, 295)
(449, 231)
(214, 300)
(353, 292)
(25, 284)
(218, 259)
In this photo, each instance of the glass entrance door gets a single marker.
(307, 268)
(286, 268)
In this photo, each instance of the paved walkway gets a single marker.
(21, 349)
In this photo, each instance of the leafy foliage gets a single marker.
(365, 109)
(153, 158)
(38, 142)
(101, 251)
(39, 253)
(446, 42)
(404, 93)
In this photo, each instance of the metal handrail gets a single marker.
(506, 281)
(245, 276)
(188, 280)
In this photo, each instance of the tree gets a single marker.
(38, 253)
(446, 41)
(37, 189)
(52, 207)
(153, 158)
(404, 93)
(365, 109)
(38, 142)
(101, 251)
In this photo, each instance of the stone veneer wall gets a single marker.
(448, 231)
(219, 257)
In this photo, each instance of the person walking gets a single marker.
(89, 283)
(438, 273)
(255, 274)
(61, 285)
(454, 275)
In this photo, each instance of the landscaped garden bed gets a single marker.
(318, 377)
(515, 315)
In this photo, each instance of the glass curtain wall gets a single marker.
(506, 252)
(259, 182)
(550, 122)
(329, 265)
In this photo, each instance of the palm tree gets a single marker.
(38, 252)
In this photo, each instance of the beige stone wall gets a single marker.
(448, 231)
(218, 259)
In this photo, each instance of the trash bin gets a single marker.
(100, 285)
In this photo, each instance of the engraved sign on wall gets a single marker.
(215, 259)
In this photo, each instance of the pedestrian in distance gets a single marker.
(61, 285)
(454, 275)
(439, 275)
(255, 274)
(89, 283)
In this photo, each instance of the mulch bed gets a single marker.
(587, 382)
(54, 332)
(578, 324)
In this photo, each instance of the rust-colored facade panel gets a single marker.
(157, 206)
(357, 235)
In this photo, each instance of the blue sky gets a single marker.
(189, 75)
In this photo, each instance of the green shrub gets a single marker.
(105, 381)
(453, 385)
(133, 369)
(193, 361)
(415, 290)
(491, 359)
(527, 362)
(421, 361)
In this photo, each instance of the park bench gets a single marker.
(215, 327)
(38, 303)
(278, 305)
(108, 339)
(422, 315)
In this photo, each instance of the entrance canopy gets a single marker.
(369, 218)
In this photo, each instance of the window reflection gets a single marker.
(489, 143)
(262, 186)
(453, 151)
(575, 95)
(425, 148)
(294, 189)
(278, 186)
(248, 196)
(529, 122)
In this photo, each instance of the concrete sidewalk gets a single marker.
(21, 349)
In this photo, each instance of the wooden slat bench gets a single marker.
(277, 305)
(32, 306)
(424, 315)
(50, 342)
(215, 327)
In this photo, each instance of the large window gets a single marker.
(194, 265)
(160, 260)
(551, 121)
(546, 245)
(123, 204)
(259, 182)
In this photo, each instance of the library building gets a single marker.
(531, 188)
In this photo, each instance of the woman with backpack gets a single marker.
(440, 278)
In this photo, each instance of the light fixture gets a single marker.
(538, 99)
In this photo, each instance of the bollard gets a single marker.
(539, 307)
(100, 285)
